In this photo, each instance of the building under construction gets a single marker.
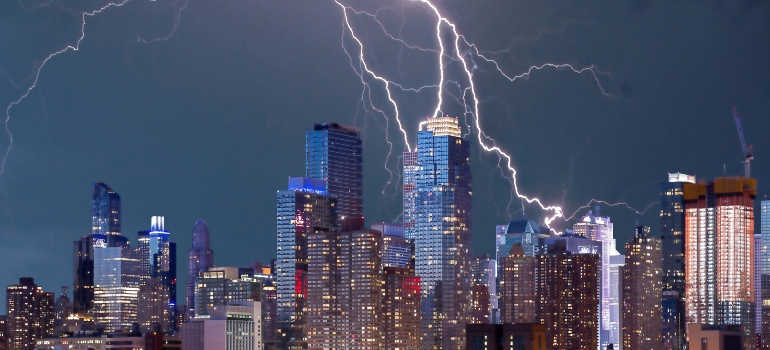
(719, 251)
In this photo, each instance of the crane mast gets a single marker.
(747, 151)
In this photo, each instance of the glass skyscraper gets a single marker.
(672, 236)
(303, 208)
(106, 210)
(764, 229)
(116, 283)
(442, 220)
(333, 154)
(200, 258)
(157, 260)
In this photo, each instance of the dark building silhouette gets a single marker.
(199, 258)
(30, 314)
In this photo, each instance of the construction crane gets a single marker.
(746, 150)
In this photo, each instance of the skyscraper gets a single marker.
(30, 314)
(764, 212)
(62, 310)
(333, 154)
(157, 260)
(442, 193)
(642, 292)
(568, 294)
(200, 258)
(672, 236)
(218, 286)
(235, 326)
(106, 210)
(116, 283)
(105, 220)
(303, 208)
(517, 287)
(600, 228)
(401, 308)
(758, 254)
(410, 213)
(397, 251)
(719, 266)
(484, 284)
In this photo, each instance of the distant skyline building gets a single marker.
(157, 261)
(409, 160)
(29, 314)
(333, 153)
(567, 303)
(62, 310)
(642, 292)
(397, 251)
(672, 236)
(235, 326)
(220, 285)
(153, 306)
(443, 224)
(302, 209)
(117, 277)
(400, 309)
(200, 257)
(106, 210)
(600, 228)
(758, 254)
(719, 266)
(764, 229)
(483, 272)
(517, 287)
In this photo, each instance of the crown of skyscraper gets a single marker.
(443, 126)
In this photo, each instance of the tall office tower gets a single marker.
(302, 209)
(517, 287)
(442, 193)
(524, 232)
(219, 285)
(235, 326)
(397, 251)
(62, 310)
(116, 283)
(599, 228)
(83, 275)
(719, 252)
(672, 236)
(483, 272)
(157, 260)
(344, 288)
(400, 309)
(153, 306)
(106, 210)
(333, 153)
(410, 176)
(764, 229)
(758, 254)
(200, 258)
(30, 314)
(642, 291)
(568, 296)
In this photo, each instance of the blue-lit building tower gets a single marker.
(157, 261)
(333, 153)
(442, 192)
(106, 210)
(199, 258)
(672, 225)
(303, 208)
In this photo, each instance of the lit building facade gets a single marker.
(235, 326)
(758, 254)
(62, 310)
(400, 309)
(719, 252)
(642, 292)
(410, 175)
(672, 237)
(568, 294)
(116, 283)
(344, 288)
(484, 284)
(517, 287)
(397, 250)
(157, 261)
(218, 286)
(600, 228)
(199, 258)
(333, 153)
(152, 306)
(520, 336)
(302, 209)
(442, 193)
(29, 315)
(764, 267)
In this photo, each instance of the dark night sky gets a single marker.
(210, 123)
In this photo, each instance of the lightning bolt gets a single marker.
(459, 50)
(35, 76)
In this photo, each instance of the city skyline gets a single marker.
(222, 180)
